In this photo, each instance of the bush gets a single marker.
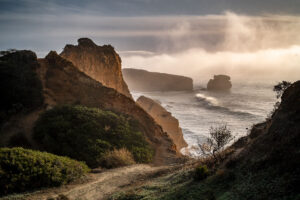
(201, 173)
(86, 134)
(21, 89)
(22, 170)
(219, 137)
(117, 158)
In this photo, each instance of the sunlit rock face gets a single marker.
(219, 83)
(142, 80)
(165, 119)
(102, 63)
(63, 83)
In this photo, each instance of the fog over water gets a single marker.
(256, 52)
(252, 48)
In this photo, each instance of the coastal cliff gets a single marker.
(62, 83)
(102, 63)
(165, 119)
(142, 80)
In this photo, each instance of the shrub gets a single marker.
(21, 89)
(86, 134)
(201, 173)
(281, 87)
(117, 158)
(219, 137)
(22, 170)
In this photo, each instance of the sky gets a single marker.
(190, 37)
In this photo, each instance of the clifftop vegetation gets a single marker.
(87, 134)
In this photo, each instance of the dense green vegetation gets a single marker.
(22, 170)
(86, 134)
(21, 90)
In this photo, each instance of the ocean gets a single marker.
(198, 110)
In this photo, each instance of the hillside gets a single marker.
(63, 83)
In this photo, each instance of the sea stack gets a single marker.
(219, 83)
(101, 63)
(165, 119)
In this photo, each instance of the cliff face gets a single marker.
(164, 118)
(64, 84)
(101, 63)
(219, 83)
(142, 80)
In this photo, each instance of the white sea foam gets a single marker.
(197, 111)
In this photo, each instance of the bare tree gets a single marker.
(219, 137)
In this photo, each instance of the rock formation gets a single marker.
(63, 83)
(219, 83)
(165, 119)
(102, 63)
(142, 80)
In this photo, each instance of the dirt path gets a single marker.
(99, 185)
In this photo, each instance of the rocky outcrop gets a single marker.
(142, 80)
(64, 84)
(102, 63)
(219, 83)
(165, 119)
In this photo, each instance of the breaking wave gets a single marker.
(211, 103)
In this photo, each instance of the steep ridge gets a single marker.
(102, 63)
(164, 118)
(142, 80)
(63, 83)
(276, 139)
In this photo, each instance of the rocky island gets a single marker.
(219, 83)
(142, 80)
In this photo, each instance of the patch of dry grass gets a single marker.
(118, 158)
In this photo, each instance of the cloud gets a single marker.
(253, 48)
